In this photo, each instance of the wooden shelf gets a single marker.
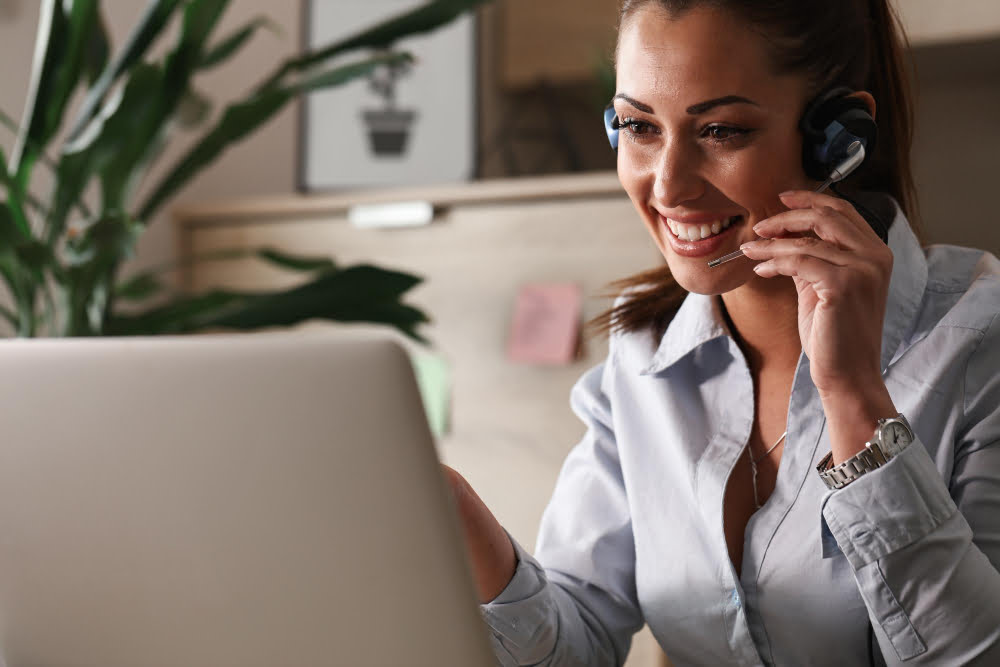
(561, 186)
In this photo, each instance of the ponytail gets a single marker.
(891, 170)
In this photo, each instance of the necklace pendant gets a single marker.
(756, 498)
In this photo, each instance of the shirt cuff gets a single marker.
(523, 619)
(527, 581)
(888, 508)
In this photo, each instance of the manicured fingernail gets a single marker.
(759, 226)
(757, 268)
(787, 193)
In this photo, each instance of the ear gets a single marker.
(867, 98)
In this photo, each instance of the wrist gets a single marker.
(853, 416)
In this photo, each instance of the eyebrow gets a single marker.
(694, 109)
(645, 108)
(702, 107)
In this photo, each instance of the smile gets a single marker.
(696, 232)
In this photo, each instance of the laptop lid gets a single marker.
(255, 500)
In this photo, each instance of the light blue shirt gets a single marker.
(634, 530)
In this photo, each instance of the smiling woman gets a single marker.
(791, 458)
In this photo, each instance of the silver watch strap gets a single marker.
(839, 476)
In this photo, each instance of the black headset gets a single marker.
(833, 126)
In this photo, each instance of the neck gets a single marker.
(763, 315)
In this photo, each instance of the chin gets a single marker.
(695, 275)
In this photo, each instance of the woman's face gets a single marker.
(709, 138)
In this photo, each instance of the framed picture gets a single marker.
(410, 125)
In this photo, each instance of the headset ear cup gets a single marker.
(831, 123)
(611, 126)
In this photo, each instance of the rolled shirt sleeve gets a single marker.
(925, 554)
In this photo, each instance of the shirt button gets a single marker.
(736, 598)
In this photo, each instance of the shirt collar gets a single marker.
(700, 319)
(906, 286)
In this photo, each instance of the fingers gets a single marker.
(830, 218)
(824, 223)
(768, 249)
(799, 199)
(836, 235)
(813, 270)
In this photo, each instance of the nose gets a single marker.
(676, 178)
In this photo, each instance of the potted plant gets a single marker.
(388, 127)
(61, 256)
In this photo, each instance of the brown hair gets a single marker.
(854, 43)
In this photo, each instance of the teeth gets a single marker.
(688, 232)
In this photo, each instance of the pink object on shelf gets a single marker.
(546, 326)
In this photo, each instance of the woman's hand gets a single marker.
(841, 270)
(490, 550)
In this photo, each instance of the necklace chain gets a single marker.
(753, 466)
(771, 449)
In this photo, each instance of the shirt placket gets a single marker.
(805, 427)
(733, 411)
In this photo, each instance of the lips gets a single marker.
(715, 242)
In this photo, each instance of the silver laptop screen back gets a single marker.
(250, 500)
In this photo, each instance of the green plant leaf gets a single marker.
(295, 262)
(183, 314)
(139, 287)
(13, 206)
(10, 123)
(359, 293)
(232, 44)
(10, 235)
(115, 139)
(97, 52)
(49, 42)
(93, 255)
(67, 38)
(193, 110)
(147, 284)
(142, 37)
(425, 18)
(105, 242)
(242, 118)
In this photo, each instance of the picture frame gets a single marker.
(412, 125)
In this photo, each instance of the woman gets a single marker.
(694, 502)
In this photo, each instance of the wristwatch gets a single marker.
(891, 437)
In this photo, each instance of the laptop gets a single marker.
(251, 500)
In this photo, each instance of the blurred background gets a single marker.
(541, 82)
(535, 203)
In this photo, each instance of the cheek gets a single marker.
(753, 178)
(637, 182)
(634, 175)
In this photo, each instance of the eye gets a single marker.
(636, 127)
(723, 133)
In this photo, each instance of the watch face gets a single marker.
(897, 435)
